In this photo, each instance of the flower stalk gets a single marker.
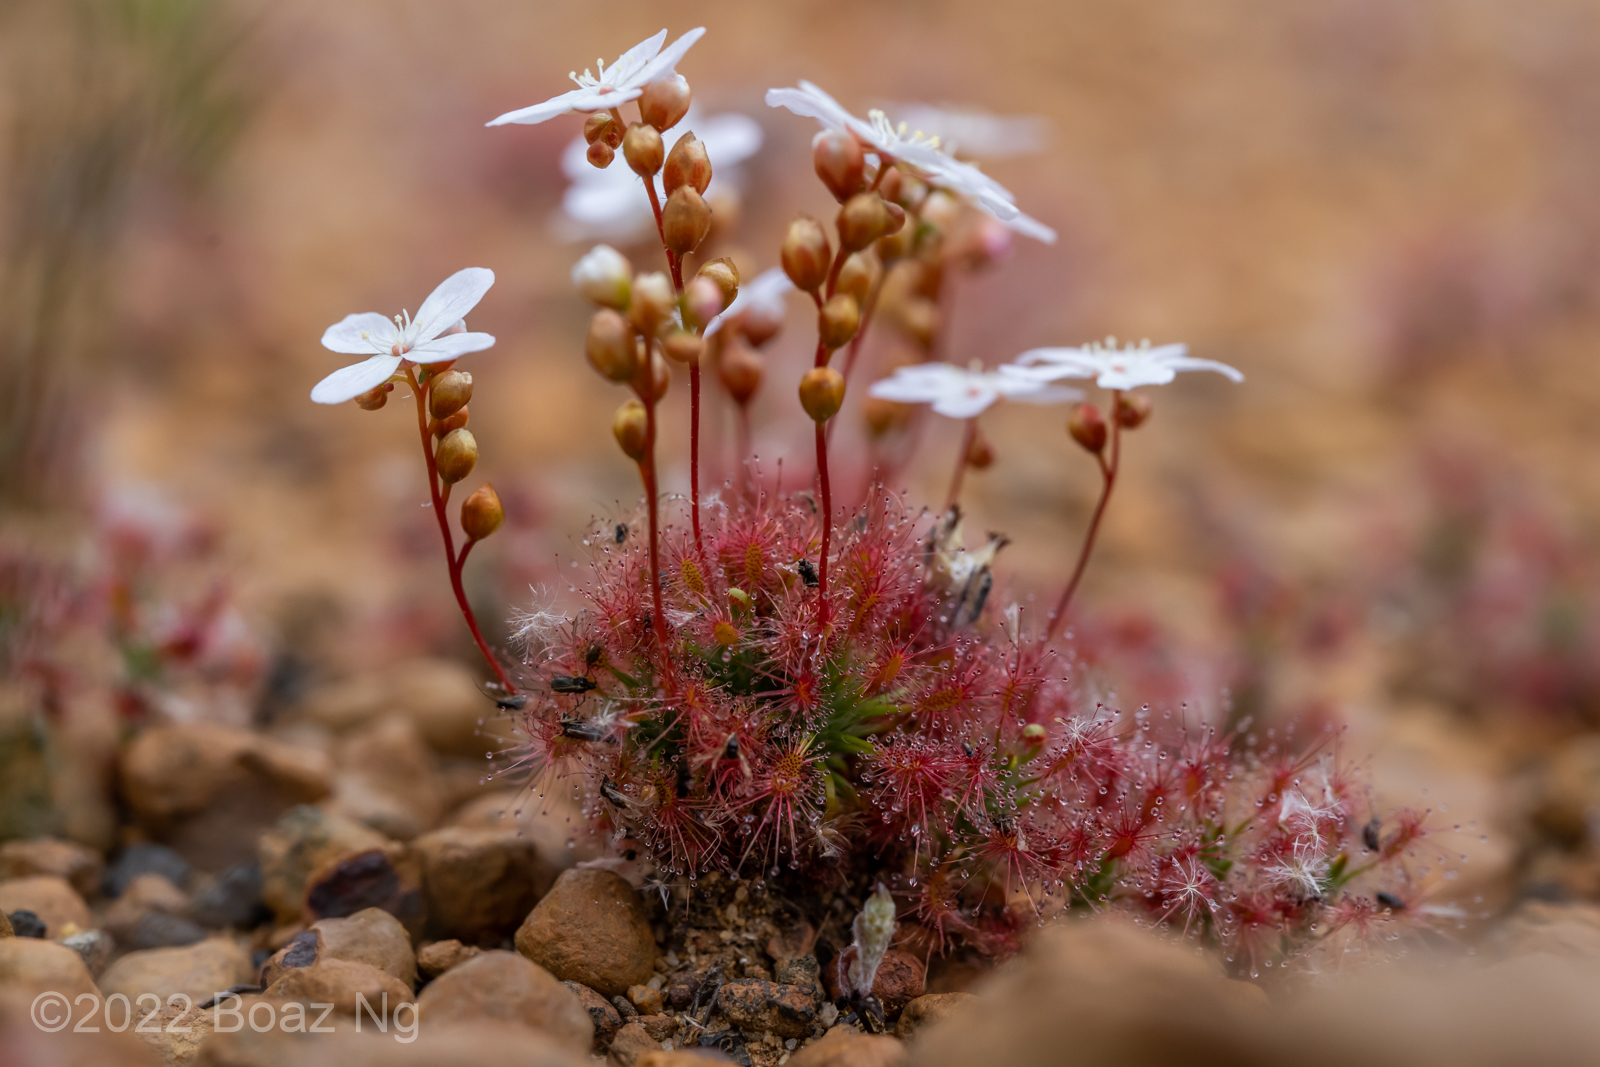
(1108, 481)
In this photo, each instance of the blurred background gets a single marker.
(1384, 214)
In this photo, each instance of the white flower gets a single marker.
(437, 335)
(962, 393)
(617, 84)
(605, 276)
(903, 145)
(609, 204)
(974, 133)
(1301, 872)
(764, 295)
(1112, 367)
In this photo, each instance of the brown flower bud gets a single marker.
(838, 320)
(919, 317)
(456, 455)
(630, 426)
(725, 274)
(482, 513)
(1088, 428)
(980, 454)
(941, 211)
(857, 277)
(665, 101)
(600, 155)
(594, 127)
(1132, 410)
(687, 164)
(884, 415)
(702, 301)
(454, 421)
(653, 299)
(840, 163)
(896, 245)
(901, 188)
(866, 217)
(805, 254)
(740, 370)
(760, 324)
(641, 147)
(655, 387)
(685, 220)
(822, 393)
(611, 346)
(449, 393)
(684, 347)
(375, 398)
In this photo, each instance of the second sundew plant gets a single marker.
(792, 691)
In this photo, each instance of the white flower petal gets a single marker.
(572, 100)
(730, 138)
(1186, 363)
(1047, 394)
(450, 302)
(1132, 376)
(345, 336)
(347, 383)
(966, 403)
(667, 61)
(810, 102)
(451, 346)
(639, 55)
(1029, 226)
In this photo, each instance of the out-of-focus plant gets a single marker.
(102, 96)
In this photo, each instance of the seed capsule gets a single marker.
(373, 399)
(1088, 428)
(611, 346)
(655, 387)
(604, 276)
(454, 421)
(726, 276)
(665, 101)
(839, 319)
(482, 513)
(840, 163)
(980, 456)
(901, 188)
(866, 217)
(687, 164)
(600, 155)
(641, 147)
(449, 392)
(805, 254)
(456, 455)
(652, 302)
(1133, 410)
(629, 425)
(702, 301)
(740, 370)
(685, 220)
(684, 347)
(594, 127)
(822, 393)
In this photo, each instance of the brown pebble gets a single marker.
(845, 1047)
(591, 928)
(659, 1027)
(681, 990)
(504, 986)
(928, 1009)
(647, 1000)
(901, 978)
(754, 1004)
(437, 957)
(632, 1042)
(606, 1019)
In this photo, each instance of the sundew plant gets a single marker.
(798, 691)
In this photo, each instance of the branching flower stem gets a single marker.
(452, 560)
(1108, 474)
(647, 474)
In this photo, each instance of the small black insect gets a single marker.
(731, 749)
(592, 654)
(1392, 902)
(968, 749)
(570, 683)
(511, 703)
(1369, 834)
(808, 573)
(621, 533)
(609, 790)
(579, 730)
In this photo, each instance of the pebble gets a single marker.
(756, 1005)
(931, 1008)
(381, 878)
(24, 923)
(32, 967)
(799, 970)
(504, 986)
(681, 990)
(480, 884)
(659, 1027)
(387, 780)
(444, 1045)
(6, 929)
(437, 957)
(647, 1000)
(302, 950)
(95, 947)
(52, 899)
(155, 930)
(301, 841)
(439, 697)
(901, 978)
(845, 1047)
(339, 982)
(232, 898)
(198, 971)
(144, 858)
(146, 894)
(631, 1043)
(591, 928)
(606, 1019)
(370, 936)
(80, 866)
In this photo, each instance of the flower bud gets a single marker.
(482, 513)
(702, 301)
(901, 188)
(375, 398)
(641, 147)
(665, 101)
(739, 599)
(941, 210)
(655, 387)
(630, 425)
(740, 370)
(1088, 428)
(449, 392)
(687, 164)
(895, 246)
(838, 320)
(684, 347)
(805, 254)
(604, 276)
(840, 163)
(456, 455)
(1132, 410)
(857, 276)
(761, 323)
(652, 302)
(725, 274)
(821, 393)
(594, 127)
(453, 421)
(980, 454)
(685, 220)
(611, 346)
(600, 155)
(866, 217)
(1034, 733)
